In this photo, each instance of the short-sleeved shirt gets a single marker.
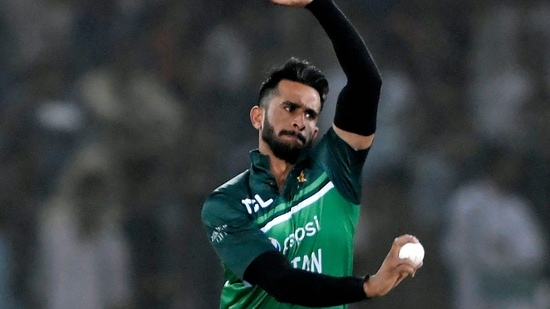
(311, 221)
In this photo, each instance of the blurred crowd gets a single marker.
(118, 117)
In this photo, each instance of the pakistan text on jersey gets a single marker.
(312, 263)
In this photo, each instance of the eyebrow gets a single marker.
(296, 105)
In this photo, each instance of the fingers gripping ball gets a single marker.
(413, 252)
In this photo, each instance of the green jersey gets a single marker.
(311, 221)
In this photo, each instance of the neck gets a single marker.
(279, 168)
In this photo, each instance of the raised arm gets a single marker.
(356, 109)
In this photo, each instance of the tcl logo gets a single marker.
(254, 205)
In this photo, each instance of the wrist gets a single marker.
(366, 286)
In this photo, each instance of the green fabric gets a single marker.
(311, 221)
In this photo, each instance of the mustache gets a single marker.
(300, 137)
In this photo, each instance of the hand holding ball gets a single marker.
(412, 251)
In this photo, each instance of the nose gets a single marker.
(299, 122)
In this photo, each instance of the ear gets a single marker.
(257, 117)
(315, 132)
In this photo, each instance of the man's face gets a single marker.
(290, 122)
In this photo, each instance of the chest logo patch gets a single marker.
(254, 205)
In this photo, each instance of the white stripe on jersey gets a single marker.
(303, 204)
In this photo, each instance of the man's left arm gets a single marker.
(357, 105)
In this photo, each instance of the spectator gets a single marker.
(83, 253)
(494, 246)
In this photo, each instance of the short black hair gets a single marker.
(296, 70)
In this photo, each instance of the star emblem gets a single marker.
(301, 178)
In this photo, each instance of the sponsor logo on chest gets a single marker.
(312, 261)
(295, 237)
(309, 229)
(255, 204)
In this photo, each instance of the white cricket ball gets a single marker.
(412, 251)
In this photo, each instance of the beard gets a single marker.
(282, 150)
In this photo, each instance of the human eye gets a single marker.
(289, 107)
(311, 115)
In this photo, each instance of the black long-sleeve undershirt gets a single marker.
(273, 273)
(357, 104)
